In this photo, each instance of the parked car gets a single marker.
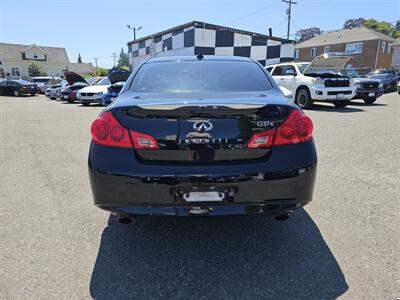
(40, 81)
(201, 136)
(94, 92)
(17, 88)
(50, 83)
(367, 89)
(117, 78)
(316, 81)
(76, 82)
(384, 71)
(54, 92)
(388, 80)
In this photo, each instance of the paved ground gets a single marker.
(55, 244)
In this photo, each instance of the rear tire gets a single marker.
(70, 101)
(369, 100)
(53, 98)
(33, 94)
(85, 104)
(16, 93)
(303, 99)
(341, 104)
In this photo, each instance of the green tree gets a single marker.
(123, 59)
(99, 72)
(35, 70)
(79, 59)
(351, 23)
(383, 27)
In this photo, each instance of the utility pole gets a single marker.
(115, 56)
(289, 13)
(95, 59)
(134, 29)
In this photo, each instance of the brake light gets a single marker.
(262, 139)
(107, 131)
(296, 129)
(143, 141)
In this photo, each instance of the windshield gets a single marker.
(350, 73)
(40, 80)
(320, 71)
(103, 81)
(200, 76)
(23, 81)
(80, 84)
(379, 76)
(302, 67)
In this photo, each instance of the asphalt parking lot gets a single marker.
(54, 244)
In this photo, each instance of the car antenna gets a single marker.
(200, 56)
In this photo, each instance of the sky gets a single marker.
(98, 28)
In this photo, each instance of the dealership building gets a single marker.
(195, 38)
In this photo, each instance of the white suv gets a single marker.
(316, 81)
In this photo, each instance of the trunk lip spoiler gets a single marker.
(202, 104)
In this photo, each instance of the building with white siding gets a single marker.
(196, 37)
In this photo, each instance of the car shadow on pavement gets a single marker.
(231, 257)
(326, 108)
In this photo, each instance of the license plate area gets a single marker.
(204, 194)
(371, 94)
(340, 96)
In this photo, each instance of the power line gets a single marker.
(289, 13)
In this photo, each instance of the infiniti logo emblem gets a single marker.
(203, 126)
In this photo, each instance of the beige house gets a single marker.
(15, 59)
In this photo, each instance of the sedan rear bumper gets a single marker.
(126, 186)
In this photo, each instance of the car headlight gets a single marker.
(319, 81)
(381, 85)
(358, 85)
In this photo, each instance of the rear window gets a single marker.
(200, 76)
(40, 79)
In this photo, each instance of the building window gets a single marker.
(327, 49)
(383, 47)
(354, 48)
(389, 48)
(296, 54)
(15, 72)
(35, 55)
(313, 52)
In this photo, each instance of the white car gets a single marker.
(93, 93)
(316, 81)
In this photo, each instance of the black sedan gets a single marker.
(201, 136)
(17, 88)
(389, 81)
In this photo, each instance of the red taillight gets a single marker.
(262, 139)
(107, 131)
(296, 129)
